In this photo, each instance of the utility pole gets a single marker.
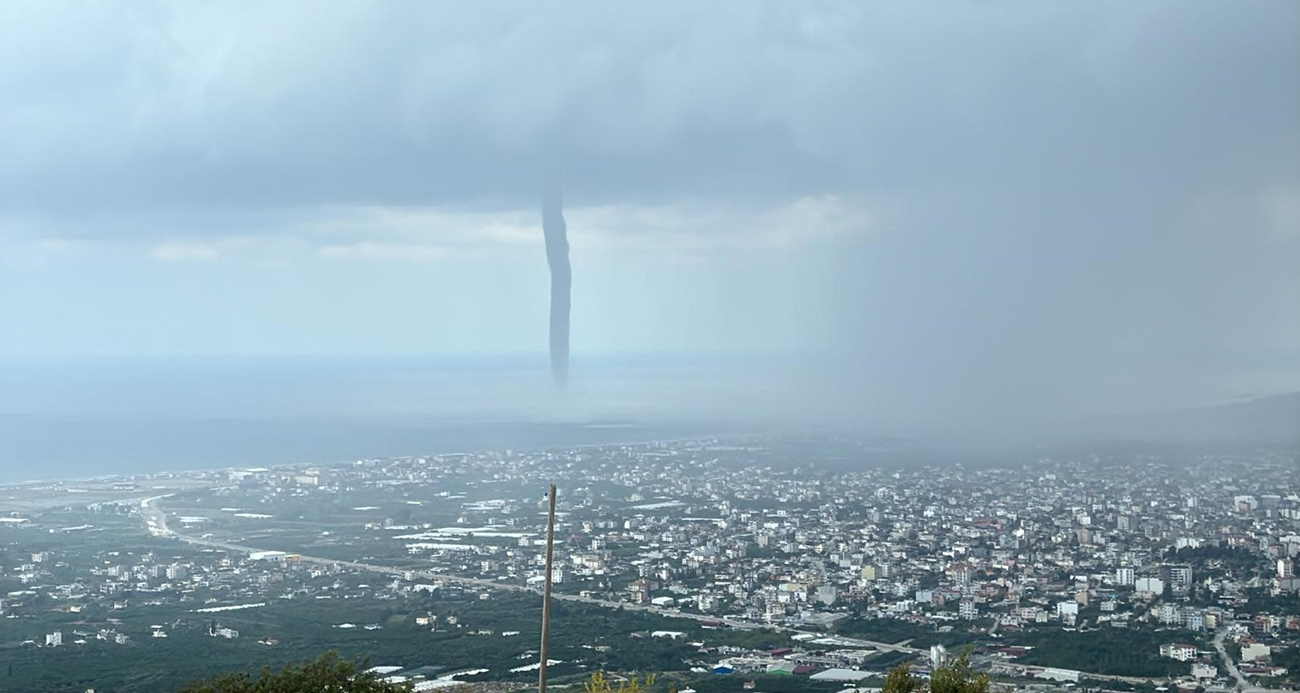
(546, 593)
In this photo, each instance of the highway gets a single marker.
(156, 523)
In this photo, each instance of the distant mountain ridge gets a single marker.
(1264, 420)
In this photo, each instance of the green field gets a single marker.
(1117, 651)
(306, 627)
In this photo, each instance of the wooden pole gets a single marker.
(546, 593)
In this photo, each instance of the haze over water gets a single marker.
(990, 222)
(74, 417)
(85, 417)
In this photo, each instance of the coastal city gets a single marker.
(504, 346)
(780, 565)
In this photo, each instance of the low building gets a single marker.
(1178, 651)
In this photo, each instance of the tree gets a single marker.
(328, 674)
(957, 677)
(900, 680)
(954, 677)
(599, 683)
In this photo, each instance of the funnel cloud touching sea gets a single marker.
(971, 217)
(557, 258)
(908, 339)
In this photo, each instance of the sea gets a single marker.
(84, 417)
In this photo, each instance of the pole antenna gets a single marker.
(546, 593)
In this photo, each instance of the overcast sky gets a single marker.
(1036, 201)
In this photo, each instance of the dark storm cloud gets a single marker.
(1073, 206)
(157, 105)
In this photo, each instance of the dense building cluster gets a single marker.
(1196, 556)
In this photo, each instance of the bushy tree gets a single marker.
(957, 677)
(954, 677)
(900, 680)
(599, 683)
(328, 674)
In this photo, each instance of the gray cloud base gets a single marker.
(1073, 207)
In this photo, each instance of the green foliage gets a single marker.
(599, 683)
(954, 677)
(1111, 651)
(306, 627)
(1262, 601)
(1289, 658)
(957, 677)
(711, 683)
(1235, 559)
(327, 674)
(747, 683)
(900, 680)
(1233, 648)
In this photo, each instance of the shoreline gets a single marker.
(122, 477)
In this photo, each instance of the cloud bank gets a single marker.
(1016, 207)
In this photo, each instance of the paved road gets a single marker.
(156, 523)
(1243, 684)
(1227, 661)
